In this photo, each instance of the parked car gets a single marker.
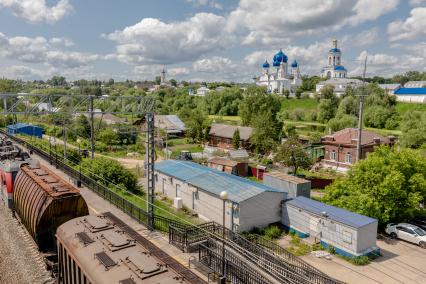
(419, 222)
(407, 232)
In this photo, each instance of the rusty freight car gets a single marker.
(44, 201)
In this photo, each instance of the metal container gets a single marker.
(44, 201)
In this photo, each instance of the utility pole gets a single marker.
(64, 130)
(361, 107)
(92, 130)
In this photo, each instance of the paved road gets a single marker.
(401, 263)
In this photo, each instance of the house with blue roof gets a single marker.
(411, 95)
(349, 233)
(250, 204)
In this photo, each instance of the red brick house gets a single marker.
(340, 147)
(220, 135)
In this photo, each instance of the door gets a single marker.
(177, 190)
(164, 182)
(406, 234)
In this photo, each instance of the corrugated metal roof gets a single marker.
(21, 125)
(238, 154)
(227, 131)
(411, 91)
(289, 178)
(337, 214)
(213, 181)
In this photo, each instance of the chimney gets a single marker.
(391, 139)
(376, 140)
(354, 140)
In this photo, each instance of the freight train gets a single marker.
(78, 247)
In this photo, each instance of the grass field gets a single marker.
(292, 103)
(402, 108)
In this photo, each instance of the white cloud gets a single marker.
(412, 27)
(366, 37)
(210, 3)
(61, 41)
(41, 50)
(417, 2)
(271, 22)
(37, 10)
(214, 65)
(152, 41)
(378, 59)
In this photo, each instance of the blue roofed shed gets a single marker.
(250, 204)
(351, 234)
(24, 128)
(411, 95)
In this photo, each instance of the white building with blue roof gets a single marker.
(349, 233)
(334, 68)
(281, 75)
(250, 204)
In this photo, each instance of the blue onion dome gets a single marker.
(339, 68)
(294, 64)
(276, 64)
(266, 64)
(335, 49)
(280, 57)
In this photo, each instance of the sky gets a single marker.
(206, 40)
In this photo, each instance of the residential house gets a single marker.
(340, 148)
(220, 135)
(390, 89)
(415, 84)
(171, 124)
(339, 85)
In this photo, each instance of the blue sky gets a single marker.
(205, 39)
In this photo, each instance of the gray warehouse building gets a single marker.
(250, 204)
(294, 186)
(350, 234)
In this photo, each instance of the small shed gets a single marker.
(24, 128)
(228, 166)
(350, 234)
(293, 185)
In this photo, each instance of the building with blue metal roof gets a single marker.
(24, 128)
(250, 204)
(351, 234)
(411, 95)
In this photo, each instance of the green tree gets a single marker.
(299, 92)
(8, 86)
(197, 125)
(158, 80)
(81, 126)
(389, 185)
(377, 116)
(173, 82)
(293, 154)
(328, 104)
(236, 139)
(109, 173)
(266, 134)
(342, 121)
(413, 127)
(108, 136)
(286, 94)
(258, 102)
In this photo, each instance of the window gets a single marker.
(177, 190)
(348, 158)
(347, 237)
(156, 177)
(404, 229)
(333, 155)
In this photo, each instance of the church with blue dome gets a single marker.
(334, 68)
(280, 75)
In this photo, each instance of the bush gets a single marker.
(360, 260)
(273, 232)
(297, 114)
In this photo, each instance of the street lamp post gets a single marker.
(50, 149)
(224, 197)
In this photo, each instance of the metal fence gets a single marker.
(236, 270)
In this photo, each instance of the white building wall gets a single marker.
(261, 210)
(412, 99)
(367, 237)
